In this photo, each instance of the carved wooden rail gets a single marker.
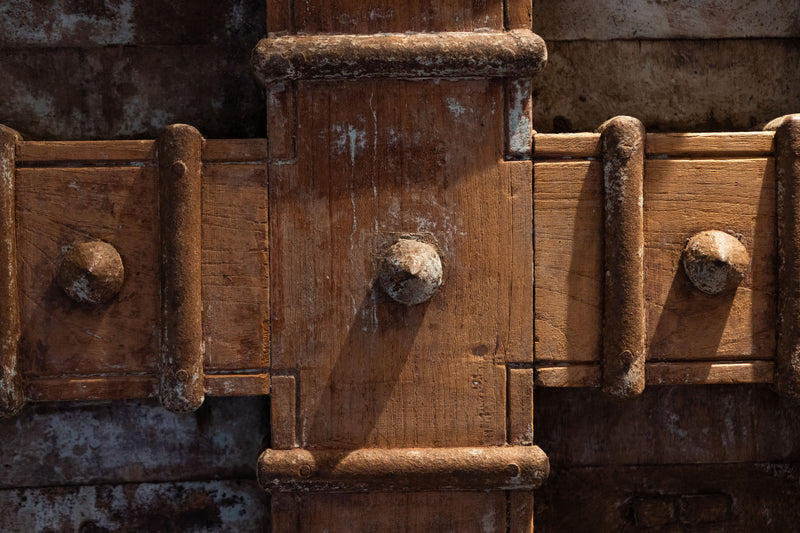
(588, 287)
(129, 268)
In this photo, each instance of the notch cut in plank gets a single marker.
(623, 141)
(12, 397)
(709, 145)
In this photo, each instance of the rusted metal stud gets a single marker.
(787, 174)
(179, 151)
(403, 469)
(516, 53)
(91, 272)
(623, 145)
(411, 271)
(12, 396)
(715, 262)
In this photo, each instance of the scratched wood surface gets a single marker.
(382, 16)
(692, 183)
(377, 159)
(73, 191)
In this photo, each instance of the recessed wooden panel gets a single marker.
(77, 191)
(56, 206)
(681, 198)
(722, 186)
(373, 164)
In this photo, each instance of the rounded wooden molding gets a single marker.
(411, 271)
(91, 272)
(716, 262)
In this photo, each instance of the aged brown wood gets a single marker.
(12, 396)
(72, 352)
(179, 151)
(726, 189)
(787, 161)
(375, 162)
(403, 469)
(667, 373)
(518, 53)
(623, 142)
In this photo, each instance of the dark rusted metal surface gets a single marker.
(91, 272)
(623, 140)
(399, 469)
(411, 271)
(179, 168)
(517, 53)
(12, 396)
(787, 164)
(715, 261)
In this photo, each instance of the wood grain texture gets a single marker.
(517, 14)
(56, 206)
(376, 160)
(98, 152)
(569, 20)
(665, 373)
(385, 175)
(235, 261)
(683, 197)
(74, 352)
(568, 260)
(283, 412)
(710, 145)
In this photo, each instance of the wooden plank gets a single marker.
(711, 145)
(568, 260)
(517, 14)
(281, 120)
(568, 376)
(661, 84)
(520, 406)
(569, 20)
(684, 197)
(214, 150)
(235, 259)
(230, 505)
(710, 373)
(237, 384)
(377, 159)
(61, 389)
(234, 150)
(666, 373)
(566, 145)
(55, 207)
(714, 145)
(43, 151)
(283, 412)
(387, 16)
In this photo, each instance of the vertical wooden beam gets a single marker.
(520, 433)
(283, 412)
(787, 175)
(623, 145)
(12, 396)
(179, 154)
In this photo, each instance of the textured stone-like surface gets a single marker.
(670, 85)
